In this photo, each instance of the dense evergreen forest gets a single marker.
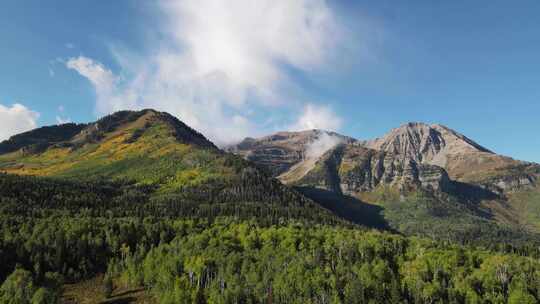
(200, 246)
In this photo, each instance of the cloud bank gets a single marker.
(317, 117)
(323, 143)
(221, 62)
(16, 119)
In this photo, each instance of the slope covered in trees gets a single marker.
(71, 230)
(243, 263)
(54, 231)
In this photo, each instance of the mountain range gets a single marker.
(418, 179)
(455, 178)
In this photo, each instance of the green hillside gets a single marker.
(146, 146)
(154, 151)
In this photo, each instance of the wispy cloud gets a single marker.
(110, 96)
(16, 119)
(317, 117)
(322, 144)
(62, 120)
(220, 60)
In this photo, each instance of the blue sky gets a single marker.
(359, 67)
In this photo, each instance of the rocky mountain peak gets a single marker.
(425, 143)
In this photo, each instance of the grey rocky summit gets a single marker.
(413, 155)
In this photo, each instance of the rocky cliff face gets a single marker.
(345, 165)
(462, 158)
(418, 150)
(424, 143)
(282, 151)
(352, 169)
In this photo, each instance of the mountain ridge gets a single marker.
(279, 152)
(175, 167)
(414, 158)
(429, 144)
(155, 149)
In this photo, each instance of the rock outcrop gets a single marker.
(282, 151)
(418, 154)
(351, 169)
(431, 144)
(461, 157)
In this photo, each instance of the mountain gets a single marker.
(282, 151)
(139, 207)
(425, 143)
(461, 157)
(40, 139)
(319, 158)
(353, 169)
(174, 166)
(417, 173)
(405, 153)
(107, 147)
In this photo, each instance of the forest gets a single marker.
(231, 250)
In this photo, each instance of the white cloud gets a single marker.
(218, 62)
(317, 117)
(244, 42)
(16, 119)
(324, 142)
(69, 45)
(109, 96)
(51, 72)
(61, 120)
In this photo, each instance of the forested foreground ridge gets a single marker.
(55, 232)
(232, 261)
(151, 211)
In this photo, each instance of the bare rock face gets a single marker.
(523, 176)
(431, 144)
(352, 169)
(419, 154)
(281, 151)
(462, 158)
(338, 163)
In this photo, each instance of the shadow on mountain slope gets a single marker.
(472, 196)
(347, 207)
(473, 193)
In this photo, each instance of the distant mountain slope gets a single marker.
(424, 142)
(353, 169)
(124, 145)
(461, 157)
(413, 165)
(155, 150)
(41, 138)
(282, 151)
